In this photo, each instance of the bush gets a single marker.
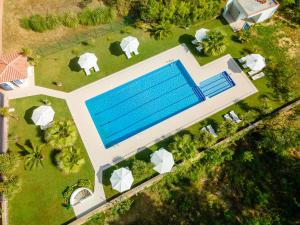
(243, 36)
(214, 44)
(141, 169)
(52, 22)
(70, 20)
(92, 17)
(37, 23)
(8, 162)
(10, 185)
(122, 207)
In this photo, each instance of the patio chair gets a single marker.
(235, 117)
(227, 117)
(211, 130)
(257, 76)
(96, 68)
(252, 72)
(87, 72)
(195, 41)
(242, 60)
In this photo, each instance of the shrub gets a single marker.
(141, 169)
(10, 185)
(228, 128)
(243, 36)
(214, 44)
(37, 23)
(92, 17)
(52, 22)
(70, 20)
(27, 52)
(204, 139)
(122, 207)
(161, 30)
(183, 147)
(76, 51)
(8, 162)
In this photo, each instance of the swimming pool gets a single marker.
(216, 84)
(141, 103)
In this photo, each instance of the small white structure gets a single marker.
(200, 35)
(88, 61)
(79, 195)
(163, 161)
(43, 116)
(255, 62)
(240, 14)
(130, 44)
(121, 179)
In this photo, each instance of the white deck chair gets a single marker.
(199, 48)
(234, 117)
(128, 55)
(96, 68)
(211, 130)
(245, 66)
(227, 117)
(204, 129)
(87, 72)
(252, 72)
(257, 76)
(241, 60)
(136, 52)
(194, 42)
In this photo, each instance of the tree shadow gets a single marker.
(28, 114)
(53, 155)
(73, 64)
(115, 49)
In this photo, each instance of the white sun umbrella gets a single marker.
(163, 161)
(121, 179)
(201, 34)
(255, 62)
(43, 115)
(130, 44)
(87, 60)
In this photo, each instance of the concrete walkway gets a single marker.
(101, 157)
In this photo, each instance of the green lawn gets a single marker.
(62, 66)
(40, 201)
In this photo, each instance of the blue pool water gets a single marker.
(139, 104)
(216, 84)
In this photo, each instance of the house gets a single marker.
(241, 14)
(13, 70)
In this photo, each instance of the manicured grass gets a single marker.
(62, 66)
(40, 200)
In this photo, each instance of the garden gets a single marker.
(41, 170)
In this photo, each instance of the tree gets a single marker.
(70, 160)
(204, 139)
(10, 185)
(228, 128)
(8, 162)
(161, 30)
(214, 44)
(5, 112)
(27, 52)
(61, 134)
(247, 156)
(183, 147)
(34, 157)
(243, 36)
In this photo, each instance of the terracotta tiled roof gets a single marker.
(13, 67)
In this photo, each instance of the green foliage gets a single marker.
(243, 36)
(161, 30)
(227, 128)
(204, 139)
(141, 169)
(10, 185)
(93, 17)
(122, 207)
(97, 219)
(61, 134)
(70, 160)
(76, 51)
(70, 20)
(291, 9)
(40, 23)
(183, 147)
(265, 104)
(8, 162)
(33, 157)
(27, 52)
(214, 44)
(247, 156)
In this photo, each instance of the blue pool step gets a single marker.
(199, 93)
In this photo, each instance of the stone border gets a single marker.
(157, 178)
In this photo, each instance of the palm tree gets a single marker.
(69, 160)
(183, 147)
(161, 30)
(5, 112)
(34, 157)
(61, 134)
(214, 44)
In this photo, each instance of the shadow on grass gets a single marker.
(53, 155)
(73, 64)
(115, 49)
(28, 114)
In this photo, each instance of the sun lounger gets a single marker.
(245, 66)
(211, 130)
(241, 60)
(252, 72)
(204, 129)
(199, 48)
(234, 117)
(195, 41)
(257, 76)
(227, 117)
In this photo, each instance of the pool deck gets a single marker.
(102, 158)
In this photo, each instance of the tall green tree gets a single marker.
(70, 160)
(61, 134)
(34, 156)
(161, 30)
(214, 44)
(183, 147)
